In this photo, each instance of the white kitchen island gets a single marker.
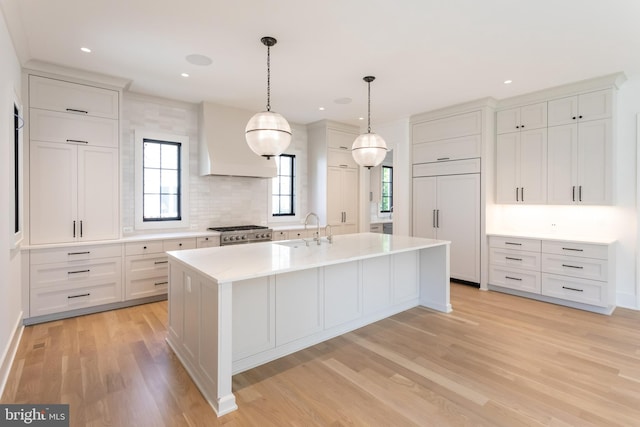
(236, 307)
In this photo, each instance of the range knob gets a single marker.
(244, 236)
(225, 239)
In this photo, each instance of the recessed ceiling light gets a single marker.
(321, 108)
(197, 59)
(508, 82)
(360, 118)
(85, 49)
(184, 75)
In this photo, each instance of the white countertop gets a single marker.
(555, 236)
(240, 262)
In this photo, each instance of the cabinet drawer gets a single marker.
(207, 241)
(146, 287)
(455, 167)
(587, 268)
(514, 259)
(178, 244)
(300, 234)
(140, 267)
(447, 127)
(465, 147)
(58, 95)
(280, 235)
(515, 243)
(522, 280)
(81, 273)
(588, 250)
(141, 248)
(340, 158)
(341, 139)
(574, 289)
(53, 126)
(72, 254)
(65, 298)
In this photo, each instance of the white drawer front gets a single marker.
(588, 250)
(73, 254)
(454, 167)
(466, 147)
(146, 287)
(207, 242)
(514, 259)
(178, 244)
(82, 272)
(340, 158)
(281, 235)
(68, 128)
(574, 289)
(522, 280)
(587, 268)
(515, 243)
(58, 95)
(65, 298)
(447, 127)
(142, 248)
(140, 267)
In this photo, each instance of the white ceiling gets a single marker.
(426, 54)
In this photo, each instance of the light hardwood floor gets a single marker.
(497, 360)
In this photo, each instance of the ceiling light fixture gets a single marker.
(85, 49)
(508, 82)
(184, 75)
(268, 134)
(369, 149)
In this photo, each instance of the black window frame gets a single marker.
(17, 125)
(292, 195)
(382, 195)
(179, 186)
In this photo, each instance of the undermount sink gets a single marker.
(310, 243)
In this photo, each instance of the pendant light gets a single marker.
(369, 149)
(268, 134)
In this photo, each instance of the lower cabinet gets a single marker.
(579, 274)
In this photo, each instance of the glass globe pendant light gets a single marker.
(369, 149)
(268, 134)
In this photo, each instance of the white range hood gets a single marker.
(223, 149)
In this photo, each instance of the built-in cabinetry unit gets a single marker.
(448, 200)
(556, 146)
(333, 175)
(579, 274)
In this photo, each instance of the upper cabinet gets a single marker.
(450, 138)
(573, 109)
(520, 119)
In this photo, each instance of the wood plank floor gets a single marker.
(497, 360)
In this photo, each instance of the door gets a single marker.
(349, 190)
(594, 160)
(533, 166)
(424, 207)
(334, 197)
(562, 165)
(53, 192)
(458, 204)
(507, 159)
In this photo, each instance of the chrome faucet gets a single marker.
(306, 220)
(327, 232)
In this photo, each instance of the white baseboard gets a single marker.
(6, 361)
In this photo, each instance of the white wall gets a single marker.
(10, 260)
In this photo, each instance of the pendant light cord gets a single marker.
(369, 108)
(268, 78)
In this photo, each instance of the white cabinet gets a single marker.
(74, 192)
(522, 118)
(579, 163)
(521, 167)
(448, 208)
(65, 279)
(450, 138)
(376, 228)
(342, 200)
(73, 162)
(207, 241)
(514, 263)
(574, 109)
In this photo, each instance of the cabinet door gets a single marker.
(508, 121)
(334, 196)
(506, 168)
(562, 164)
(594, 162)
(53, 192)
(458, 203)
(53, 126)
(349, 189)
(533, 166)
(98, 208)
(340, 139)
(563, 111)
(424, 207)
(595, 105)
(533, 116)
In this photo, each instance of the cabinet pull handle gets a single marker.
(79, 141)
(434, 218)
(573, 249)
(78, 253)
(513, 278)
(574, 117)
(573, 289)
(437, 218)
(579, 117)
(513, 259)
(161, 283)
(78, 296)
(342, 147)
(161, 262)
(144, 247)
(80, 228)
(78, 271)
(573, 266)
(580, 193)
(73, 110)
(74, 229)
(442, 158)
(344, 166)
(522, 194)
(517, 127)
(573, 191)
(521, 126)
(517, 195)
(512, 243)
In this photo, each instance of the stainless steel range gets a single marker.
(236, 235)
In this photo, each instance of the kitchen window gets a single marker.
(386, 201)
(16, 212)
(161, 179)
(283, 186)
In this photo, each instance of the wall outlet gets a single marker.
(127, 229)
(194, 226)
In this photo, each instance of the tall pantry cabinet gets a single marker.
(448, 150)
